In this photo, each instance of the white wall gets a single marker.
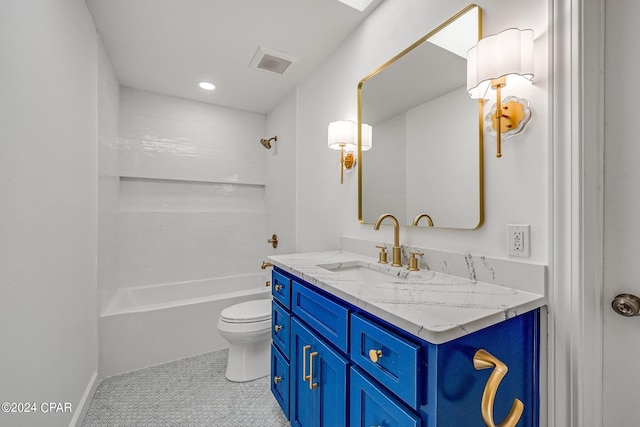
(48, 182)
(192, 192)
(516, 186)
(280, 192)
(108, 177)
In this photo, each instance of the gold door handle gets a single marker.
(304, 364)
(312, 385)
(375, 355)
(277, 328)
(484, 360)
(276, 380)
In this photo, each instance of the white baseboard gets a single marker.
(85, 402)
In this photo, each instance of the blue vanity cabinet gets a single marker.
(318, 380)
(280, 340)
(349, 368)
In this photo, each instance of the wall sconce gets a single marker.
(343, 136)
(493, 63)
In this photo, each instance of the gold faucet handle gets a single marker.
(382, 256)
(413, 261)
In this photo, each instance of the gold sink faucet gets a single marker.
(419, 217)
(397, 259)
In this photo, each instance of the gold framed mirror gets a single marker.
(427, 153)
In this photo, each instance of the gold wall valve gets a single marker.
(265, 265)
(268, 283)
(485, 360)
(413, 261)
(375, 355)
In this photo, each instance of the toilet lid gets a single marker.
(246, 312)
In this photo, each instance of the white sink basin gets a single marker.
(360, 272)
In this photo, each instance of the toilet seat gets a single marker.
(247, 312)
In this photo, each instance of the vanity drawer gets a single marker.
(372, 406)
(327, 317)
(395, 361)
(281, 288)
(280, 384)
(281, 328)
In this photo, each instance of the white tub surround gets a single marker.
(434, 306)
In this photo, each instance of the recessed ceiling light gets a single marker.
(207, 85)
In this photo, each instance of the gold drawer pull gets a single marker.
(375, 355)
(484, 360)
(276, 380)
(304, 364)
(277, 328)
(312, 385)
(278, 287)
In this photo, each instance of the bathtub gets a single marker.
(149, 325)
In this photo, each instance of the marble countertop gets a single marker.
(434, 306)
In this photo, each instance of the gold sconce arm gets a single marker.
(484, 360)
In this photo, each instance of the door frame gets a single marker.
(576, 214)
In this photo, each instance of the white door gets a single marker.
(621, 357)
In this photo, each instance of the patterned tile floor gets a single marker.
(188, 392)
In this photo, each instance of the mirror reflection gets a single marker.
(427, 151)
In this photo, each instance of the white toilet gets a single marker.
(247, 328)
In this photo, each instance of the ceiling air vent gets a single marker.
(271, 60)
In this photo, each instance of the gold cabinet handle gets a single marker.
(375, 355)
(484, 360)
(277, 328)
(304, 364)
(312, 385)
(276, 380)
(278, 287)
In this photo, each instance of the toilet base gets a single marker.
(249, 361)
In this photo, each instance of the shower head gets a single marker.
(266, 143)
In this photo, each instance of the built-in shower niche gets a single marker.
(173, 230)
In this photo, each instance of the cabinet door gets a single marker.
(301, 395)
(331, 377)
(319, 381)
(280, 382)
(371, 405)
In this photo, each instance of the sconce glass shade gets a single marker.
(507, 54)
(343, 134)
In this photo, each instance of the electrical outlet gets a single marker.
(518, 243)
